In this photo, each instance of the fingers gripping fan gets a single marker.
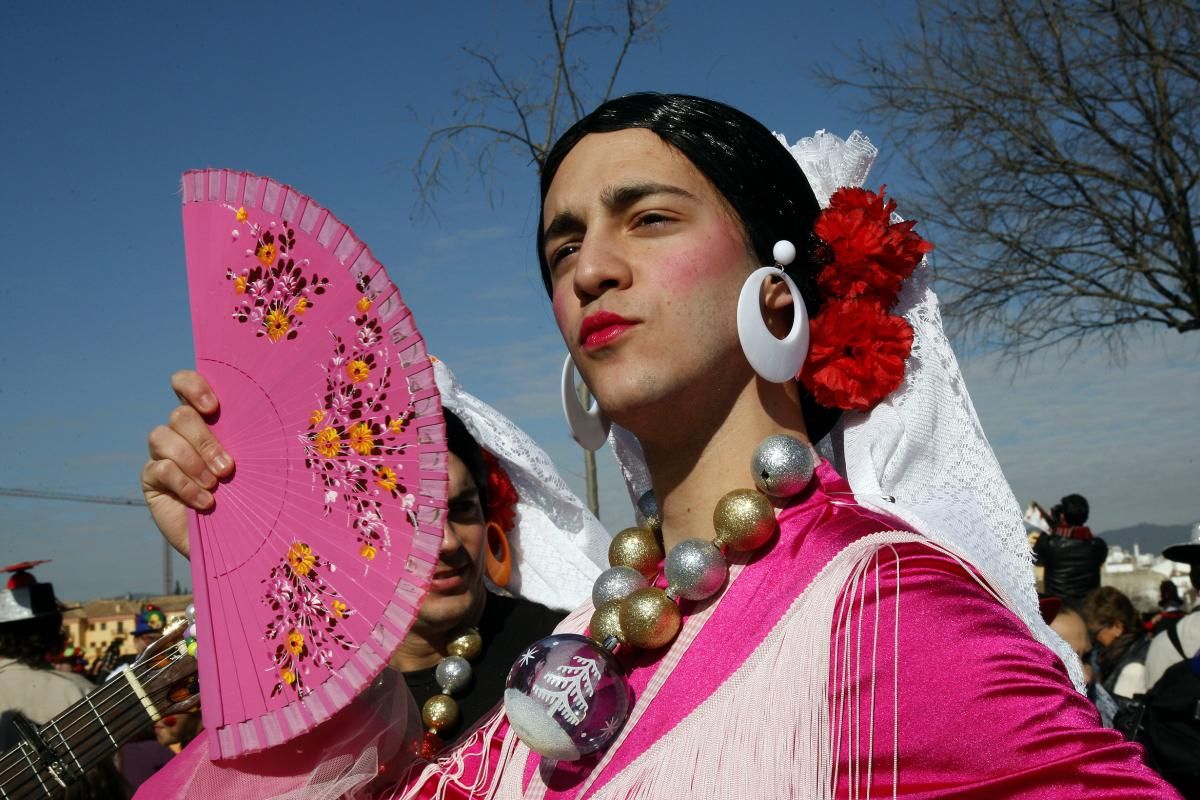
(309, 570)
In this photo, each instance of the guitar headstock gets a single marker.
(167, 672)
(172, 636)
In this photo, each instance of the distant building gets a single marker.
(96, 624)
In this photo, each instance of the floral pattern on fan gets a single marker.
(276, 293)
(353, 435)
(307, 613)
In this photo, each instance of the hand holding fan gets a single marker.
(309, 570)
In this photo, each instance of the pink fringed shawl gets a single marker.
(927, 687)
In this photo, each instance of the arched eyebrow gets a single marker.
(617, 198)
(466, 493)
(614, 198)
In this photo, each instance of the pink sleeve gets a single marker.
(963, 701)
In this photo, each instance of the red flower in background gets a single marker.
(501, 494)
(871, 255)
(856, 356)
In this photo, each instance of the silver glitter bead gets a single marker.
(695, 569)
(616, 583)
(782, 466)
(453, 673)
(191, 612)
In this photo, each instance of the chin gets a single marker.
(441, 611)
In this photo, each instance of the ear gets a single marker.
(776, 296)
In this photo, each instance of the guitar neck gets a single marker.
(78, 739)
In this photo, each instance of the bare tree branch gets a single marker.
(525, 115)
(1056, 144)
(501, 114)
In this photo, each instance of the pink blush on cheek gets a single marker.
(560, 304)
(711, 259)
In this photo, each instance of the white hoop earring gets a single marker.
(589, 427)
(775, 360)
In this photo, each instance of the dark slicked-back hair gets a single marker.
(461, 443)
(749, 167)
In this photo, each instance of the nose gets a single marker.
(601, 265)
(451, 544)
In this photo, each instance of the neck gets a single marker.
(425, 646)
(706, 452)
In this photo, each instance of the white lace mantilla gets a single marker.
(923, 445)
(558, 545)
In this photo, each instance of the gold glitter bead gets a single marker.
(649, 618)
(744, 520)
(468, 645)
(439, 713)
(606, 622)
(636, 548)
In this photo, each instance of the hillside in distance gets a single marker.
(1150, 538)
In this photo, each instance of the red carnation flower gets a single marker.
(501, 494)
(856, 355)
(871, 256)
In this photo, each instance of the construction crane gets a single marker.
(38, 494)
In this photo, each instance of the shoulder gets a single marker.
(48, 681)
(70, 683)
(1163, 649)
(955, 639)
(974, 690)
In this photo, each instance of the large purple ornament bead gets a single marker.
(566, 697)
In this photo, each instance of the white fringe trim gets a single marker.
(768, 730)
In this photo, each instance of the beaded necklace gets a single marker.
(566, 696)
(440, 712)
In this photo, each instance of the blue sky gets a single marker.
(105, 106)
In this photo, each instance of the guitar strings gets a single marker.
(126, 723)
(92, 708)
(108, 692)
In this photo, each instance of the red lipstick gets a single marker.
(448, 579)
(602, 328)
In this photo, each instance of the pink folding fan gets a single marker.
(310, 569)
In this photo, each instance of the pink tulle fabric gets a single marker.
(981, 708)
(355, 752)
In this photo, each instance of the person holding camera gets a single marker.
(1070, 554)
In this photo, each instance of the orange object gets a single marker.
(499, 557)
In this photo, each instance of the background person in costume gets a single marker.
(30, 630)
(457, 654)
(513, 525)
